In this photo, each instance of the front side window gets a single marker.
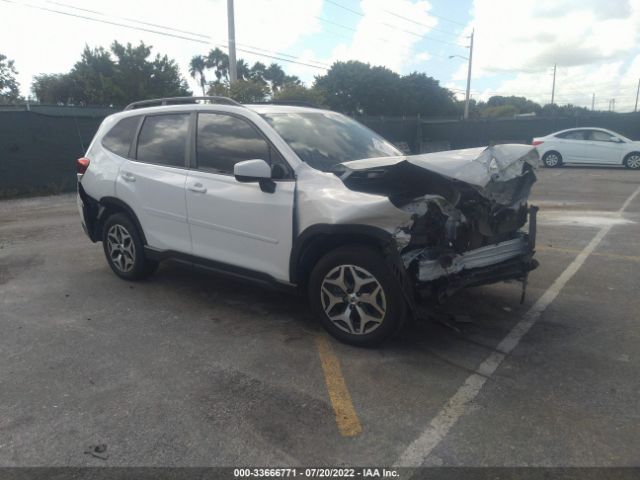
(326, 139)
(224, 140)
(599, 136)
(119, 138)
(163, 139)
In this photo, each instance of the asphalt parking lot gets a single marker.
(190, 369)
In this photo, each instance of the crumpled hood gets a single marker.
(475, 166)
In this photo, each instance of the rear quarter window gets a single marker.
(118, 139)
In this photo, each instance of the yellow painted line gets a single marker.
(346, 416)
(632, 258)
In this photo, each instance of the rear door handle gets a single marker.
(128, 176)
(198, 188)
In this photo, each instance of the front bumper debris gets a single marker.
(429, 270)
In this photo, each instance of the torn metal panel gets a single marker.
(480, 166)
(431, 269)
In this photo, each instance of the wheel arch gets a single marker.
(318, 240)
(111, 205)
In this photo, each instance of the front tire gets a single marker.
(552, 159)
(124, 249)
(632, 161)
(356, 296)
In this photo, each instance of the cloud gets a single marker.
(383, 39)
(531, 35)
(46, 42)
(593, 42)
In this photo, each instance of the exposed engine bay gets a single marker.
(467, 208)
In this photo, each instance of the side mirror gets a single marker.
(252, 171)
(255, 171)
(618, 140)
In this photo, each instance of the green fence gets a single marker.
(39, 144)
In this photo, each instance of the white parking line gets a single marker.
(418, 451)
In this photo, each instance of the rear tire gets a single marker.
(632, 161)
(124, 249)
(356, 296)
(552, 159)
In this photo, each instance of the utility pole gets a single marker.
(233, 72)
(637, 94)
(593, 101)
(613, 104)
(468, 96)
(553, 88)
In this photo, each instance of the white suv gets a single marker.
(307, 200)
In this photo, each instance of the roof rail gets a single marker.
(180, 100)
(292, 103)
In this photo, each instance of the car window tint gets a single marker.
(224, 140)
(575, 135)
(600, 136)
(119, 138)
(163, 139)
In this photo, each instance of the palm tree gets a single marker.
(197, 67)
(219, 61)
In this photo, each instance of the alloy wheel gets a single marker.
(634, 161)
(551, 160)
(122, 250)
(353, 299)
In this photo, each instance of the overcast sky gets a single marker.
(595, 43)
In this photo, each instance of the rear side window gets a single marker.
(119, 138)
(224, 140)
(163, 139)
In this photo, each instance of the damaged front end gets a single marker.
(467, 208)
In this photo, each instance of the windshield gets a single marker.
(324, 139)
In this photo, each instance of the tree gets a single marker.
(248, 91)
(197, 67)
(423, 95)
(358, 88)
(54, 88)
(521, 104)
(298, 93)
(219, 62)
(116, 77)
(9, 86)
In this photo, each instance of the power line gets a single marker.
(127, 19)
(157, 32)
(379, 39)
(424, 36)
(421, 24)
(362, 14)
(271, 52)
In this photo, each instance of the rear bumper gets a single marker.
(88, 209)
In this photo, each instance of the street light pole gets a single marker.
(553, 88)
(468, 95)
(637, 94)
(233, 72)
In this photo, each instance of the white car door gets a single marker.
(572, 146)
(602, 147)
(235, 223)
(153, 184)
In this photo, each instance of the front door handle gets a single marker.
(198, 188)
(128, 176)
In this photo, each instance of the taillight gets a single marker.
(537, 142)
(81, 165)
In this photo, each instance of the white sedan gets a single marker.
(588, 146)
